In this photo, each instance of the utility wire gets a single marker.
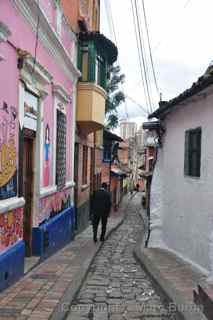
(139, 54)
(138, 104)
(147, 69)
(150, 50)
(108, 18)
(142, 55)
(186, 4)
(111, 22)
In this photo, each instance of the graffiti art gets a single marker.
(53, 205)
(11, 228)
(8, 155)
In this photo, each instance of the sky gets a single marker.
(181, 40)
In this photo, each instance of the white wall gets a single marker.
(187, 208)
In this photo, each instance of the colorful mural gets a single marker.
(8, 179)
(11, 228)
(53, 205)
(46, 156)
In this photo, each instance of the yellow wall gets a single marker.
(99, 138)
(91, 104)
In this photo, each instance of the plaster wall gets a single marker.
(186, 214)
(23, 37)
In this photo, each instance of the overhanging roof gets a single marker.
(111, 136)
(152, 125)
(103, 44)
(197, 87)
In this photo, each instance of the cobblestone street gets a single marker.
(116, 287)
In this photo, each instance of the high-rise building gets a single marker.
(139, 137)
(128, 129)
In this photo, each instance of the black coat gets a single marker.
(100, 203)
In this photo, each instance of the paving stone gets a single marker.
(115, 285)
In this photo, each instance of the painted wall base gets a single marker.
(83, 216)
(12, 265)
(55, 234)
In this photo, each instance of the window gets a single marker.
(61, 149)
(107, 153)
(100, 75)
(85, 165)
(192, 152)
(85, 64)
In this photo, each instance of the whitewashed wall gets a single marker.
(186, 211)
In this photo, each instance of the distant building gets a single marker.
(128, 129)
(139, 138)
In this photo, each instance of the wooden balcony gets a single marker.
(91, 100)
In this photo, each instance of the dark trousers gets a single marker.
(96, 220)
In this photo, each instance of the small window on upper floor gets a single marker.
(100, 75)
(85, 63)
(192, 161)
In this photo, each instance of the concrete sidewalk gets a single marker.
(42, 292)
(175, 278)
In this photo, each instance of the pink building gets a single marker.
(38, 76)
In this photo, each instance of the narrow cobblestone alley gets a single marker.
(117, 288)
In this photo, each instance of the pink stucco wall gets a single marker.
(24, 38)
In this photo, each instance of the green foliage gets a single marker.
(115, 96)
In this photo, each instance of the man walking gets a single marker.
(100, 209)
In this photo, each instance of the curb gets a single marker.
(63, 308)
(166, 288)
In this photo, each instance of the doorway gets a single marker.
(28, 182)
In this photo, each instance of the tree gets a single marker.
(115, 96)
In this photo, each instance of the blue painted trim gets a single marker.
(54, 234)
(12, 264)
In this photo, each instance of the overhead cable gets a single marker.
(139, 54)
(142, 55)
(150, 50)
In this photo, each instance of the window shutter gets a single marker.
(186, 158)
(80, 57)
(198, 153)
(92, 62)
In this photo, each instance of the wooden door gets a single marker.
(28, 193)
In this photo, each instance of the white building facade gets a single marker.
(182, 186)
(127, 129)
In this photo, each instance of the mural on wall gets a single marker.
(11, 228)
(46, 156)
(8, 177)
(53, 205)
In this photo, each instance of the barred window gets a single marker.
(61, 150)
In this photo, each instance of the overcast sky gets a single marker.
(181, 40)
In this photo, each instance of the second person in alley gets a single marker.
(100, 210)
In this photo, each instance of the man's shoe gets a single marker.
(102, 239)
(95, 240)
